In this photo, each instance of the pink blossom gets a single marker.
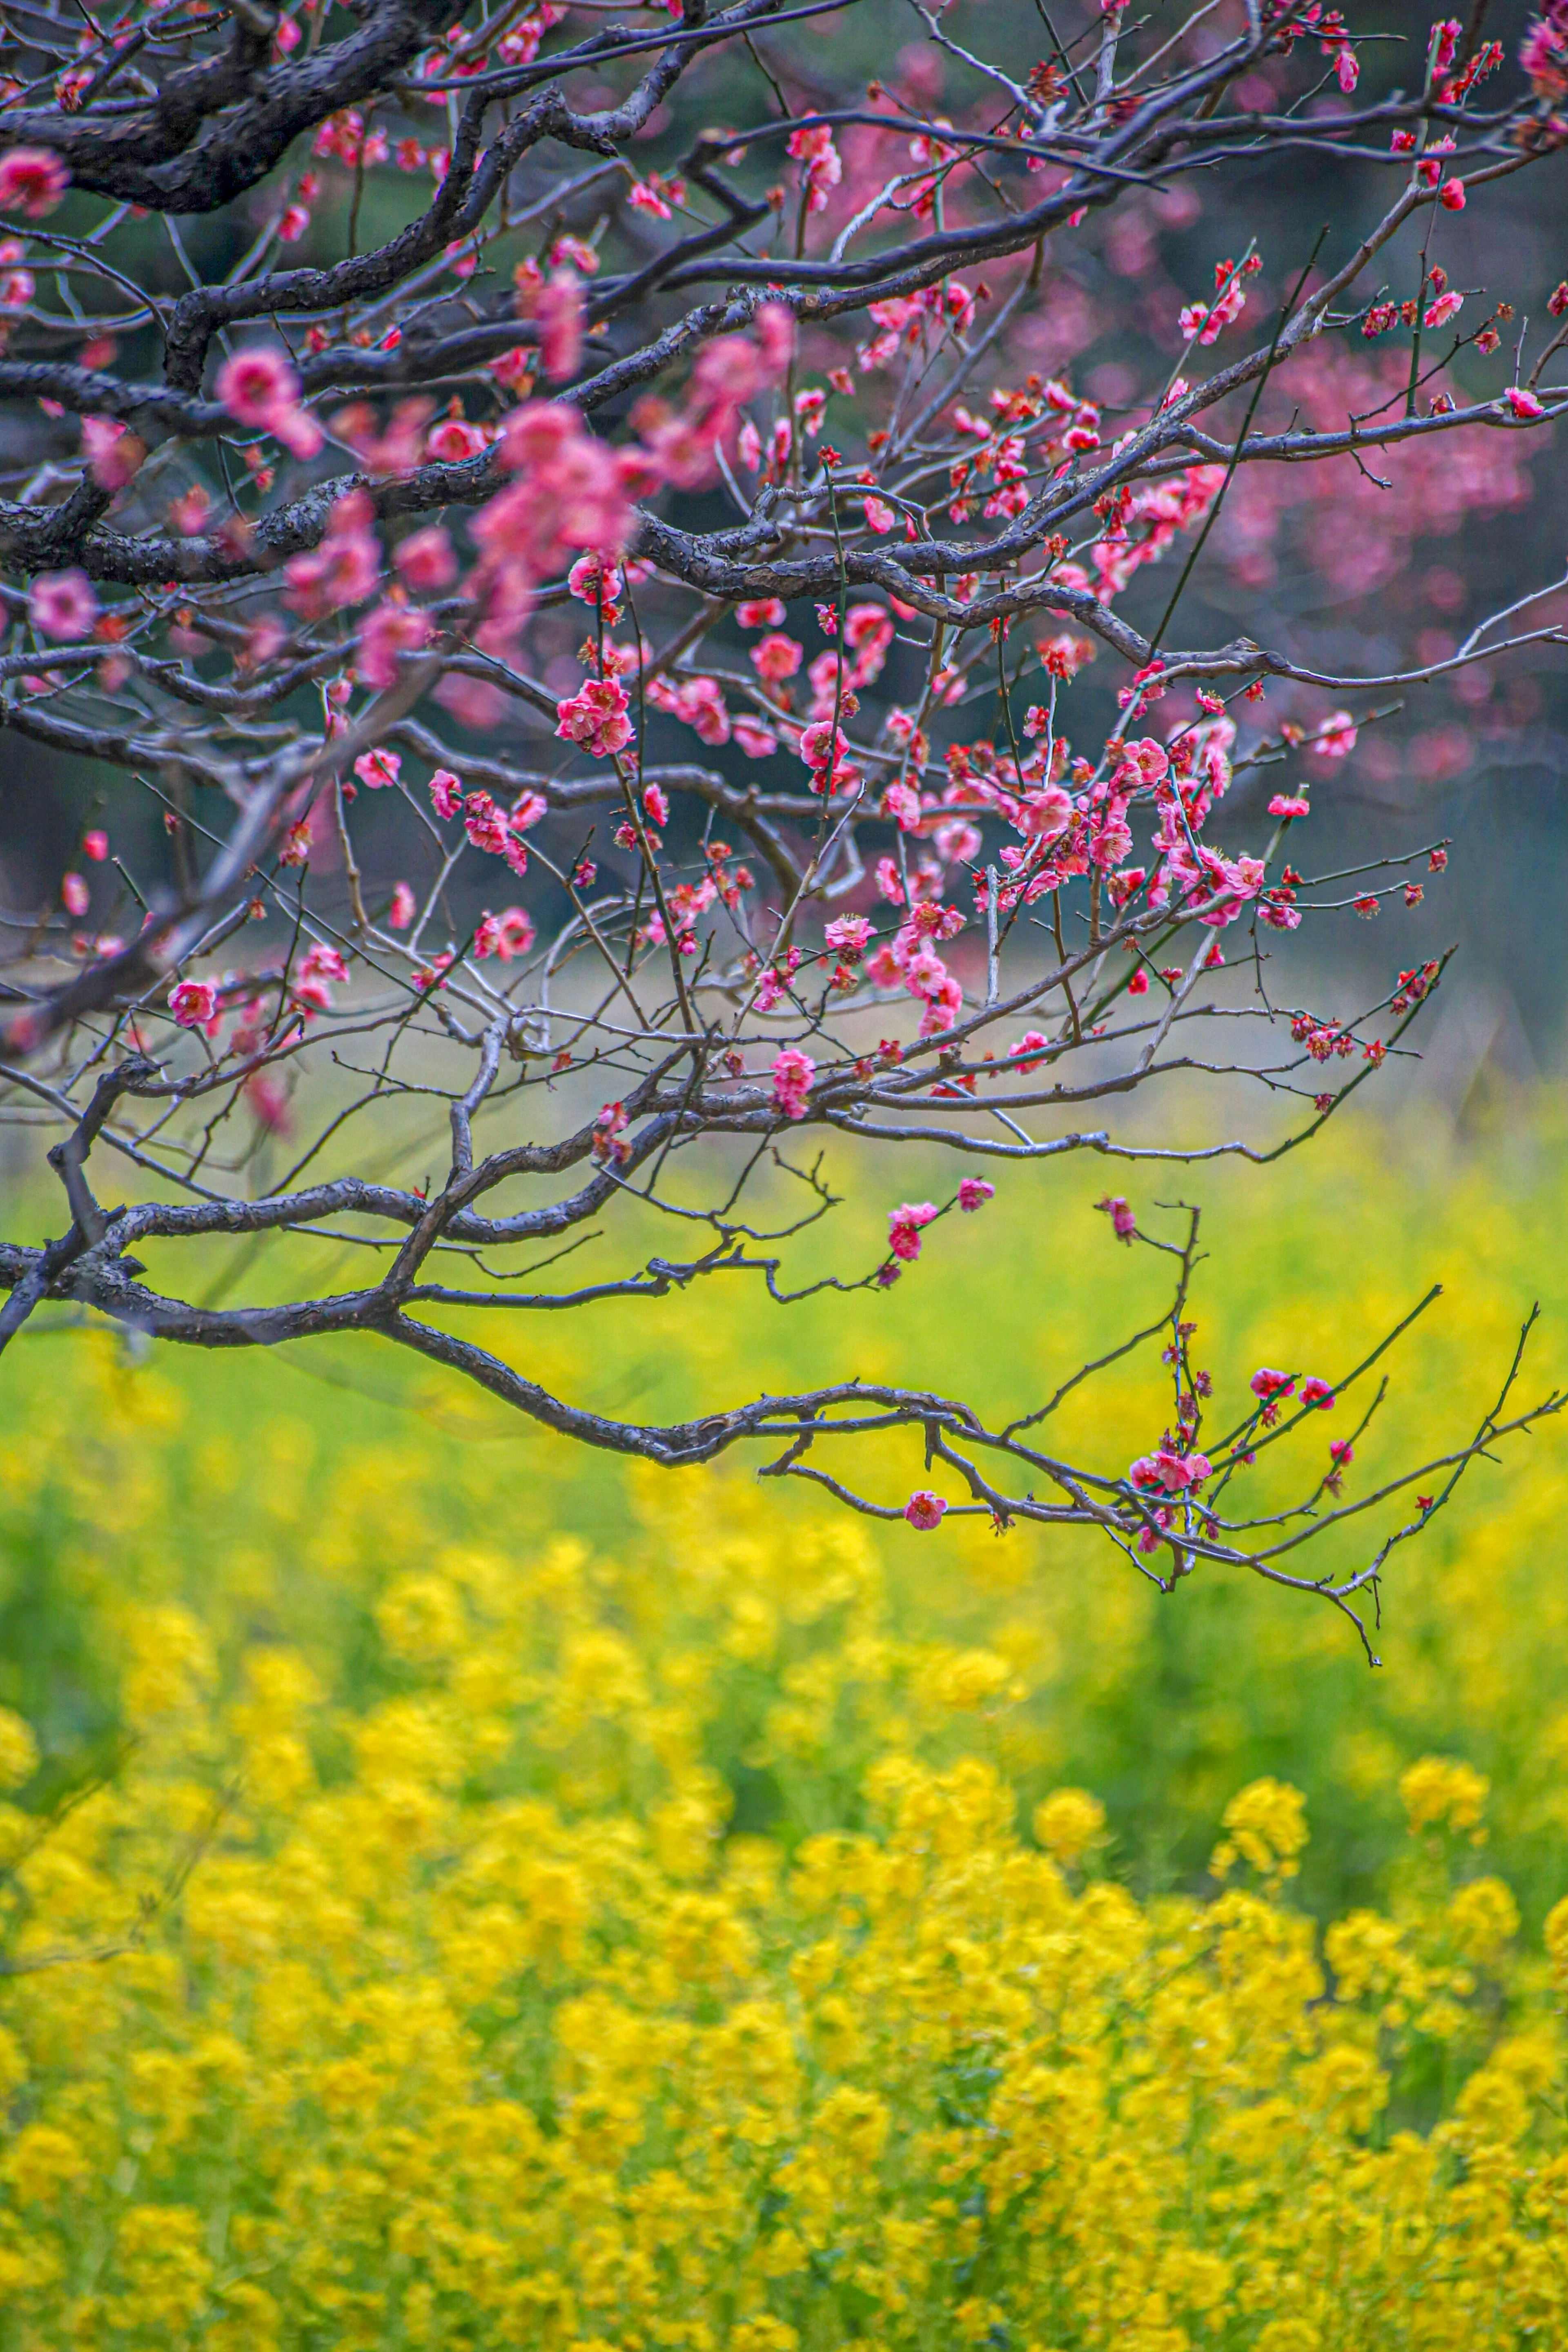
(760, 613)
(924, 1510)
(904, 1227)
(294, 222)
(1335, 739)
(1269, 1384)
(401, 445)
(559, 310)
(1064, 656)
(112, 454)
(656, 807)
(446, 792)
(775, 323)
(61, 605)
(425, 559)
(378, 767)
(506, 935)
(1317, 1392)
(454, 440)
(879, 518)
(527, 810)
(95, 844)
(32, 181)
(774, 983)
(824, 166)
(1448, 305)
(344, 569)
(592, 581)
(793, 1075)
(1045, 813)
(404, 907)
(958, 843)
(74, 896)
(1171, 1473)
(574, 253)
(757, 741)
(973, 1192)
(312, 991)
(257, 384)
(1524, 404)
(299, 434)
(474, 702)
(486, 827)
(776, 657)
(848, 936)
(193, 1003)
(699, 701)
(389, 631)
(189, 512)
(572, 493)
(595, 716)
(901, 802)
(323, 963)
(1123, 1221)
(1290, 804)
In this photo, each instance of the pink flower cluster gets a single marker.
(1272, 1388)
(62, 606)
(909, 961)
(792, 1074)
(596, 717)
(344, 569)
(32, 181)
(258, 387)
(729, 371)
(1167, 1471)
(904, 1228)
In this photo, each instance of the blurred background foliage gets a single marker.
(276, 1497)
(460, 1890)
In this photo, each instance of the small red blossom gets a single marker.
(1123, 1221)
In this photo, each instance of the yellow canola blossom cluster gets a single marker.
(561, 1947)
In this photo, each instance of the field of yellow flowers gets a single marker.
(458, 1893)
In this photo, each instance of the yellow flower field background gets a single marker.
(463, 1892)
